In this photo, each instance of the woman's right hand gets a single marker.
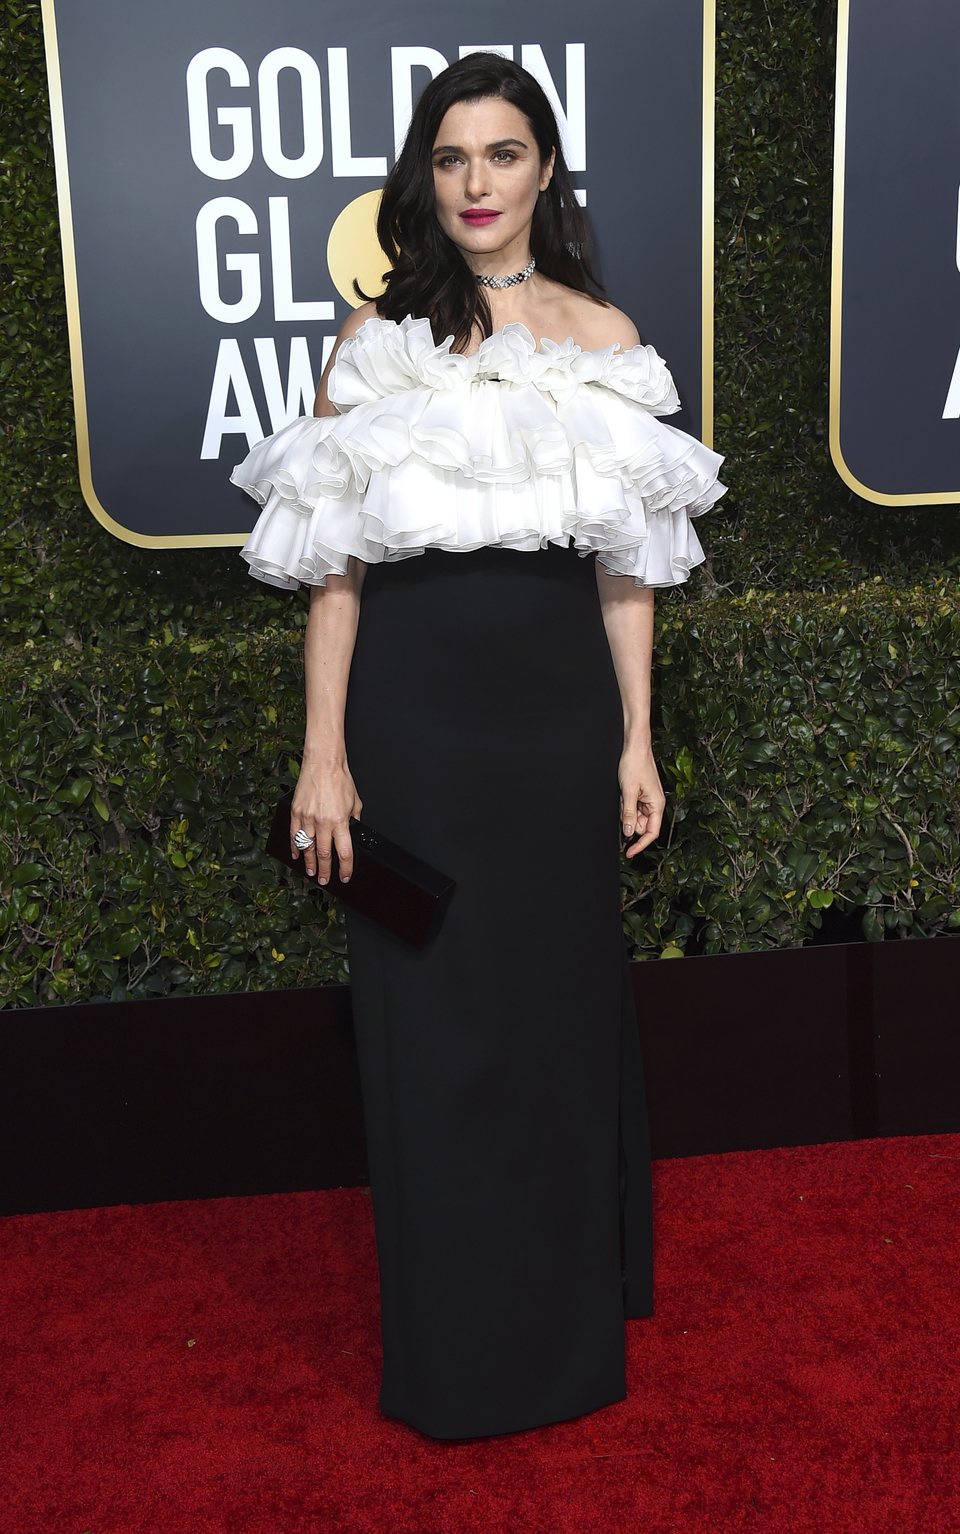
(323, 801)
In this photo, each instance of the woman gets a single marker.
(483, 504)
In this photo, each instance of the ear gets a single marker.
(547, 173)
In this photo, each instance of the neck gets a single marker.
(499, 263)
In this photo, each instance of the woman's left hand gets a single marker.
(642, 799)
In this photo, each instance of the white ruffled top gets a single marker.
(513, 446)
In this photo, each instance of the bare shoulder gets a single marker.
(606, 325)
(593, 322)
(355, 319)
(352, 323)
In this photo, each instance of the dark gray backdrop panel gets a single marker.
(149, 348)
(901, 286)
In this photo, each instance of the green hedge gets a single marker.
(135, 808)
(808, 747)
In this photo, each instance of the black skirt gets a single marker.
(500, 1067)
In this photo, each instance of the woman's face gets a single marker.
(486, 162)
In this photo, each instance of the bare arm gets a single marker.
(326, 795)
(628, 619)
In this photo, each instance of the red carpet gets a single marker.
(212, 1367)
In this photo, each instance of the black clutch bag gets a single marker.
(389, 884)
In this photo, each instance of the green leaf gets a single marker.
(804, 865)
(187, 786)
(75, 792)
(28, 873)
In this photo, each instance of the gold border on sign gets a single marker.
(920, 498)
(68, 248)
(235, 540)
(707, 213)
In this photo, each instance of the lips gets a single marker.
(479, 218)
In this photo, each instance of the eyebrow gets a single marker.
(501, 143)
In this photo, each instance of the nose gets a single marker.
(478, 180)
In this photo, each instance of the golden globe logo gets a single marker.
(353, 250)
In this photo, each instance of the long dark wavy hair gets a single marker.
(429, 277)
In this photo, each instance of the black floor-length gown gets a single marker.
(503, 1089)
(500, 1066)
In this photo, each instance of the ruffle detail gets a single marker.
(432, 450)
(384, 357)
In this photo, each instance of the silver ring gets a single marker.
(303, 841)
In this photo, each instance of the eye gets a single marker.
(503, 155)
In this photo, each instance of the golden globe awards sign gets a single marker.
(219, 168)
(895, 328)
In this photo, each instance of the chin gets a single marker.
(483, 239)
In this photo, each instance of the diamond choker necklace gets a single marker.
(508, 282)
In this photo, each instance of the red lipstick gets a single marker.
(479, 216)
